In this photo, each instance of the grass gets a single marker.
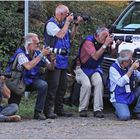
(26, 108)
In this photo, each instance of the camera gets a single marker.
(61, 51)
(85, 17)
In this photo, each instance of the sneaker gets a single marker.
(98, 114)
(14, 118)
(83, 113)
(64, 114)
(39, 116)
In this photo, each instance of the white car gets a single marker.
(127, 27)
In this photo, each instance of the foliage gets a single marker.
(10, 29)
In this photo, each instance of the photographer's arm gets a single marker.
(97, 54)
(65, 28)
(63, 31)
(28, 65)
(75, 26)
(133, 67)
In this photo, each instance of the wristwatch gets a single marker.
(104, 46)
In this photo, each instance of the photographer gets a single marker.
(57, 35)
(7, 113)
(91, 54)
(122, 76)
(30, 64)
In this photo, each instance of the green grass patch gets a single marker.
(26, 108)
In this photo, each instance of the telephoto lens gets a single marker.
(61, 51)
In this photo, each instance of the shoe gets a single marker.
(63, 114)
(39, 116)
(14, 118)
(136, 115)
(83, 113)
(51, 115)
(98, 114)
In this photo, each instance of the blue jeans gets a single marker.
(8, 110)
(123, 111)
(41, 86)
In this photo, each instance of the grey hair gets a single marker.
(28, 39)
(99, 30)
(61, 9)
(124, 55)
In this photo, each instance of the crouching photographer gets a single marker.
(124, 94)
(7, 112)
(28, 65)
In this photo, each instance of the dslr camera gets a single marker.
(85, 17)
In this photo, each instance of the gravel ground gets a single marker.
(72, 128)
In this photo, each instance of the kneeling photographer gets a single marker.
(124, 94)
(7, 112)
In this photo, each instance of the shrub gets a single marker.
(10, 29)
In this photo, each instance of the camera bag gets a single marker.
(16, 83)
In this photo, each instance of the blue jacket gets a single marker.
(61, 61)
(92, 66)
(121, 95)
(28, 75)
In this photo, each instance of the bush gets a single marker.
(10, 29)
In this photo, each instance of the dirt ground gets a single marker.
(72, 128)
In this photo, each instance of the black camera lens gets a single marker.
(85, 17)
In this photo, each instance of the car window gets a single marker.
(131, 20)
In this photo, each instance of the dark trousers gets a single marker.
(57, 85)
(41, 86)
